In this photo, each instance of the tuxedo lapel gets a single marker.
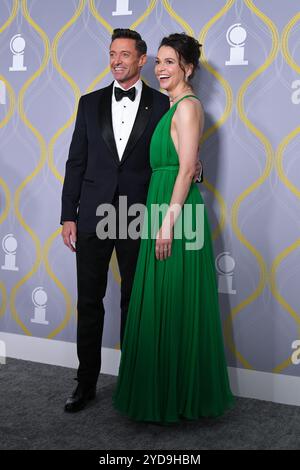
(105, 122)
(141, 120)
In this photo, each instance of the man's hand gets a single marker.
(68, 234)
(198, 173)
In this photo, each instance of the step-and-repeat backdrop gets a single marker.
(53, 51)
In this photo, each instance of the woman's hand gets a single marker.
(164, 240)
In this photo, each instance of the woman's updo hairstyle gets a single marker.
(187, 48)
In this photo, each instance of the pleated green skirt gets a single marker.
(173, 363)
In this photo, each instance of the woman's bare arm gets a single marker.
(187, 128)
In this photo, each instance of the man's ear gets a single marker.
(143, 60)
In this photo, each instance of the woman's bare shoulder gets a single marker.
(190, 107)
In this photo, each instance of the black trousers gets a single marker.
(92, 259)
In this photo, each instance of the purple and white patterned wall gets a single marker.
(53, 51)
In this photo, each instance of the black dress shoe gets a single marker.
(80, 398)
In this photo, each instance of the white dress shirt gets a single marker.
(123, 115)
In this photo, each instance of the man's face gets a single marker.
(125, 61)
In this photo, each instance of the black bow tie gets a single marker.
(119, 93)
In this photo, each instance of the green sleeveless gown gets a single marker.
(172, 363)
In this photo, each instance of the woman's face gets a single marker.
(167, 69)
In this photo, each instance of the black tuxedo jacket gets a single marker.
(93, 170)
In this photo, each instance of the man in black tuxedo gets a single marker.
(108, 158)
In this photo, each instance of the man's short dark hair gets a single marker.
(126, 33)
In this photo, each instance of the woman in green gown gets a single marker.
(173, 364)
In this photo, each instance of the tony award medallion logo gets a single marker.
(236, 36)
(9, 245)
(225, 265)
(17, 46)
(39, 299)
(122, 8)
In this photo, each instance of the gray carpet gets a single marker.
(32, 417)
